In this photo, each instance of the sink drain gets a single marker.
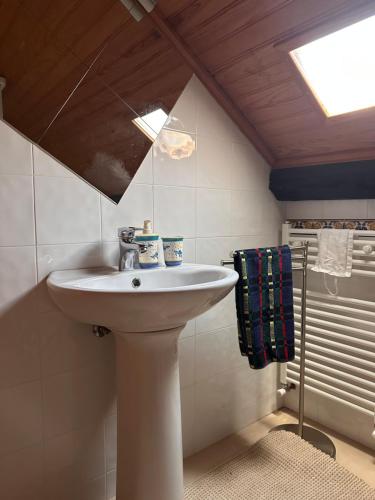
(136, 283)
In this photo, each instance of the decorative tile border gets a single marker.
(357, 224)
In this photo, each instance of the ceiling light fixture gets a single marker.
(177, 145)
(340, 68)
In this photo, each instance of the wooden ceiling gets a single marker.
(238, 48)
(242, 45)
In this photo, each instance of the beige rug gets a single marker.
(281, 466)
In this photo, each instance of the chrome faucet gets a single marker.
(129, 248)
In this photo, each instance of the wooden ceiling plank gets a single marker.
(270, 97)
(67, 26)
(253, 64)
(292, 123)
(215, 24)
(176, 10)
(279, 111)
(339, 156)
(8, 13)
(303, 145)
(263, 80)
(308, 136)
(289, 20)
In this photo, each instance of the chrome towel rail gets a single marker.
(315, 437)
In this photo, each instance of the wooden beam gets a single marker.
(211, 84)
(345, 155)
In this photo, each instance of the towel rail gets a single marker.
(333, 354)
(335, 398)
(317, 438)
(363, 233)
(336, 371)
(302, 258)
(352, 331)
(336, 383)
(339, 366)
(343, 300)
(338, 392)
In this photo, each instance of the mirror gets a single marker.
(90, 85)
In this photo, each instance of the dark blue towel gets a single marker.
(265, 334)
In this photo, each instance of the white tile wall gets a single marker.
(213, 212)
(181, 202)
(21, 417)
(136, 205)
(16, 210)
(371, 209)
(67, 211)
(335, 209)
(17, 275)
(217, 352)
(247, 209)
(52, 370)
(27, 483)
(171, 172)
(67, 256)
(44, 164)
(215, 159)
(15, 158)
(251, 172)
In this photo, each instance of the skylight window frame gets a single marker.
(328, 26)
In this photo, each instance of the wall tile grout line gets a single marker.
(34, 209)
(37, 284)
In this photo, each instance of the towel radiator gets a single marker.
(300, 254)
(340, 346)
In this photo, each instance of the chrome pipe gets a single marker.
(301, 408)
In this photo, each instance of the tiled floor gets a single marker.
(354, 457)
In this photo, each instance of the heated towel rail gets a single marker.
(363, 253)
(340, 347)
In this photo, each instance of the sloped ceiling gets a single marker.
(241, 44)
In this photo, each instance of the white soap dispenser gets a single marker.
(149, 255)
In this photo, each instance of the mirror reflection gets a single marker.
(92, 87)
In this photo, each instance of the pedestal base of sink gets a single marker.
(149, 441)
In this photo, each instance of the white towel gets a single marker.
(335, 251)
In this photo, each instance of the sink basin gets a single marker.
(146, 311)
(119, 300)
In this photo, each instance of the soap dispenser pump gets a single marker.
(147, 227)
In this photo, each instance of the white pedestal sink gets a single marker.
(146, 310)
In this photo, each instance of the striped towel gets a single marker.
(265, 334)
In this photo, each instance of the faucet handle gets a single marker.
(128, 233)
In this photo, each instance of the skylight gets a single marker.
(151, 123)
(340, 68)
